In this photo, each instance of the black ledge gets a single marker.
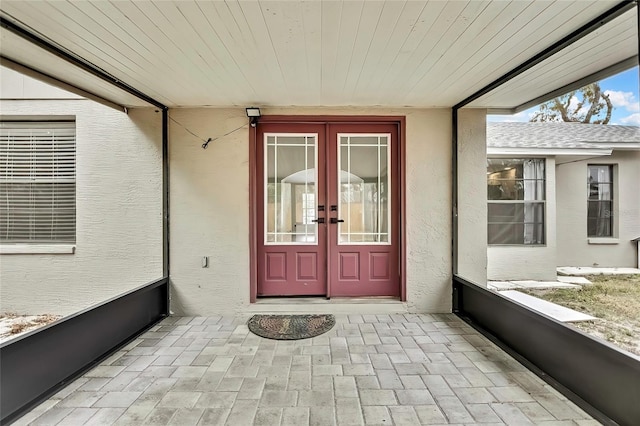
(37, 364)
(600, 378)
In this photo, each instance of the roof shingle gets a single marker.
(560, 135)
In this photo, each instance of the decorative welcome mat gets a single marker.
(290, 327)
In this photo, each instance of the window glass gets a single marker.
(37, 182)
(290, 189)
(600, 202)
(516, 195)
(363, 205)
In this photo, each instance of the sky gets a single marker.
(622, 90)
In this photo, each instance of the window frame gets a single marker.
(611, 201)
(538, 201)
(49, 160)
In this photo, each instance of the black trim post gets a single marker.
(165, 194)
(454, 192)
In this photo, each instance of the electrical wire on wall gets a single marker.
(209, 140)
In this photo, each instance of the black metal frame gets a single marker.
(75, 60)
(566, 41)
(454, 191)
(596, 76)
(165, 196)
(93, 69)
(39, 75)
(37, 364)
(598, 377)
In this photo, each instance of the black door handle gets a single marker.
(336, 220)
(318, 220)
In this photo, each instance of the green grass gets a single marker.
(608, 297)
(614, 299)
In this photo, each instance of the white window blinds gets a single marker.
(37, 182)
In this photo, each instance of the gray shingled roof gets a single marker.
(560, 135)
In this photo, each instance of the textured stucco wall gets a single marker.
(119, 213)
(209, 196)
(529, 262)
(472, 195)
(573, 245)
(428, 193)
(210, 215)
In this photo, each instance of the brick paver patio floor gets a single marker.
(369, 369)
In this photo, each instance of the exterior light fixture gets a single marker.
(253, 113)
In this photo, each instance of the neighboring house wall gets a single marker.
(119, 208)
(523, 262)
(210, 215)
(574, 247)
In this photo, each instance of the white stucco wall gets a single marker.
(574, 248)
(209, 196)
(119, 213)
(529, 262)
(472, 195)
(210, 214)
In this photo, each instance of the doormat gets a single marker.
(290, 327)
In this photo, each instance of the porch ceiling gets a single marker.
(309, 53)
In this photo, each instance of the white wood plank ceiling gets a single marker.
(319, 53)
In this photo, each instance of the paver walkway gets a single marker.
(369, 369)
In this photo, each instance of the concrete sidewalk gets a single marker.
(568, 277)
(369, 369)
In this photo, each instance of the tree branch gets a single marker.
(563, 110)
(609, 108)
(594, 103)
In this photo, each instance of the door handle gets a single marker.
(336, 220)
(318, 220)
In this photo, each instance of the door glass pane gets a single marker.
(363, 189)
(290, 189)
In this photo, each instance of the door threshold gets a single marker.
(322, 305)
(323, 300)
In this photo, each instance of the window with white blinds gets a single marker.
(37, 182)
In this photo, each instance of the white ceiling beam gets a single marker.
(596, 23)
(73, 59)
(30, 72)
(591, 78)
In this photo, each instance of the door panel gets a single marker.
(363, 229)
(328, 200)
(291, 175)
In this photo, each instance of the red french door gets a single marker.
(328, 198)
(292, 242)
